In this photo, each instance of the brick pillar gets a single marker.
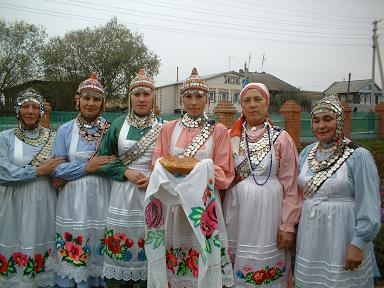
(379, 109)
(291, 110)
(46, 122)
(225, 111)
(348, 119)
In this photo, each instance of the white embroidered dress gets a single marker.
(80, 216)
(179, 265)
(27, 213)
(253, 215)
(125, 219)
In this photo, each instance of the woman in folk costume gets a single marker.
(189, 247)
(263, 204)
(27, 198)
(131, 138)
(83, 200)
(341, 209)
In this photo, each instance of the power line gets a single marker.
(173, 30)
(251, 17)
(232, 26)
(258, 5)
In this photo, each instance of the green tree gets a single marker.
(111, 50)
(19, 58)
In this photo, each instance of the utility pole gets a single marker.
(373, 60)
(379, 60)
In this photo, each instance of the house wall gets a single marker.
(223, 86)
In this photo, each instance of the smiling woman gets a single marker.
(27, 198)
(83, 196)
(340, 184)
(265, 185)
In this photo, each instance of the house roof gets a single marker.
(205, 77)
(272, 82)
(342, 86)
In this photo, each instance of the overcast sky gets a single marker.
(307, 43)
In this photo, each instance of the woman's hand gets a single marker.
(136, 177)
(58, 183)
(97, 162)
(354, 257)
(285, 239)
(47, 167)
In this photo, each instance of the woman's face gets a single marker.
(90, 107)
(324, 127)
(30, 114)
(194, 103)
(254, 107)
(142, 102)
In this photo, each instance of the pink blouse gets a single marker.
(287, 173)
(221, 153)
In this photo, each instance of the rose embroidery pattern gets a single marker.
(262, 276)
(31, 266)
(206, 218)
(183, 261)
(73, 250)
(118, 246)
(154, 220)
(7, 266)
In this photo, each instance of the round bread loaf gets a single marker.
(178, 164)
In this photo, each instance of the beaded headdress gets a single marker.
(141, 82)
(194, 83)
(91, 87)
(331, 103)
(29, 95)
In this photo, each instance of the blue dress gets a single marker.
(81, 208)
(344, 210)
(27, 216)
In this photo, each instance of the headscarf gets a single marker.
(332, 104)
(237, 126)
(91, 87)
(29, 95)
(194, 83)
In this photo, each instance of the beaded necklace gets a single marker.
(200, 138)
(326, 168)
(256, 151)
(140, 122)
(84, 125)
(41, 138)
(194, 122)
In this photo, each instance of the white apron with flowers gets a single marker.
(124, 255)
(27, 239)
(80, 221)
(253, 216)
(189, 247)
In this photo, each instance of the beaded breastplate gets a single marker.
(326, 168)
(139, 148)
(101, 124)
(200, 138)
(255, 149)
